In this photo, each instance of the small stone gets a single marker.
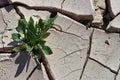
(98, 20)
(114, 25)
(99, 6)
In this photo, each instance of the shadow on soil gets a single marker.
(23, 59)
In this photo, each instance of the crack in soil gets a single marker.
(18, 11)
(115, 72)
(32, 72)
(71, 72)
(62, 4)
(53, 9)
(60, 30)
(72, 53)
(88, 54)
(69, 14)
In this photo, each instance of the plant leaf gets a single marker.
(47, 50)
(22, 25)
(37, 56)
(45, 35)
(31, 37)
(28, 47)
(31, 20)
(41, 43)
(49, 21)
(31, 26)
(48, 24)
(16, 49)
(41, 23)
(16, 37)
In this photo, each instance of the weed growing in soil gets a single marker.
(32, 36)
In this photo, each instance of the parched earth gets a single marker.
(78, 53)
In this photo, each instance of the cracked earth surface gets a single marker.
(78, 53)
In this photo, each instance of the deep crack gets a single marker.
(72, 15)
(106, 16)
(19, 12)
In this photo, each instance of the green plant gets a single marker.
(32, 36)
